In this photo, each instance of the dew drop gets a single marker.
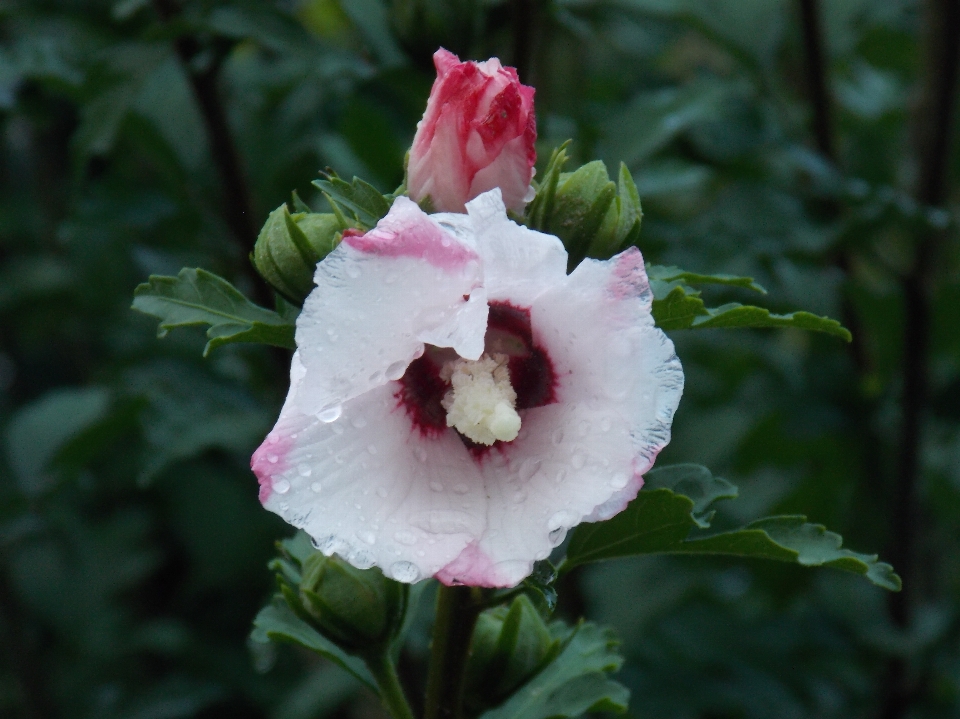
(421, 454)
(376, 377)
(436, 486)
(353, 271)
(367, 536)
(381, 492)
(578, 460)
(281, 486)
(304, 470)
(315, 487)
(337, 429)
(529, 468)
(605, 424)
(557, 535)
(404, 572)
(558, 436)
(363, 560)
(519, 496)
(390, 279)
(372, 448)
(396, 370)
(284, 506)
(330, 414)
(619, 481)
(273, 459)
(358, 422)
(583, 429)
(563, 518)
(461, 488)
(405, 537)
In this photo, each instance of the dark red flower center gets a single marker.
(508, 332)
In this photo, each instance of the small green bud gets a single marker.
(359, 609)
(591, 215)
(508, 647)
(289, 248)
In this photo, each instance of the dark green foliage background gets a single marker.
(132, 546)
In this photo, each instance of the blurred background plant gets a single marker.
(805, 143)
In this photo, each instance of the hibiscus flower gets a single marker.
(457, 401)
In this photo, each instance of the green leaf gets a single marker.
(660, 521)
(675, 274)
(793, 539)
(541, 207)
(198, 297)
(678, 306)
(277, 622)
(575, 682)
(359, 200)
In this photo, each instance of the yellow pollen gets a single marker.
(481, 403)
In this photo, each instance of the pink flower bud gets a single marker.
(477, 133)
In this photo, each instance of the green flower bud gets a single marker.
(508, 647)
(289, 248)
(591, 215)
(359, 609)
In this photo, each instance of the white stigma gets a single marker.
(481, 404)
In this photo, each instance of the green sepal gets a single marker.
(360, 609)
(574, 681)
(279, 623)
(357, 203)
(290, 246)
(541, 207)
(539, 585)
(661, 520)
(509, 646)
(197, 297)
(677, 306)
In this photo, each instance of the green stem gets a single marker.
(457, 612)
(391, 691)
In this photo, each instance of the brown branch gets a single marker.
(524, 12)
(933, 139)
(237, 205)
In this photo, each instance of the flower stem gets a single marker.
(391, 691)
(457, 612)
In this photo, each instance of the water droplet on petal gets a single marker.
(376, 377)
(436, 486)
(396, 370)
(363, 560)
(558, 435)
(563, 518)
(338, 429)
(273, 459)
(304, 470)
(367, 536)
(578, 460)
(583, 428)
(557, 536)
(421, 454)
(358, 422)
(315, 487)
(605, 424)
(529, 468)
(405, 537)
(330, 414)
(461, 488)
(353, 271)
(619, 481)
(281, 486)
(404, 572)
(381, 492)
(372, 448)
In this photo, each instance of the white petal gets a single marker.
(378, 299)
(371, 488)
(519, 264)
(582, 458)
